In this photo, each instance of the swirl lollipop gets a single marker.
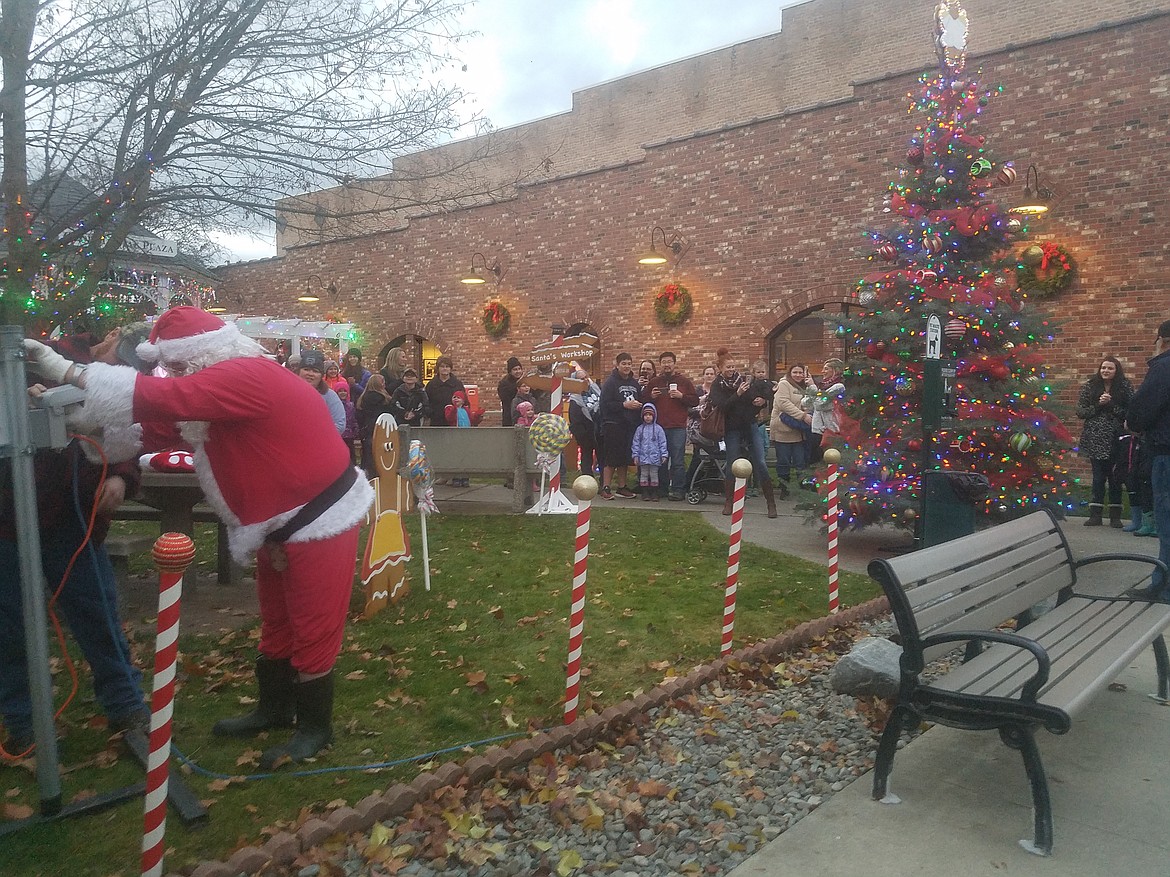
(549, 434)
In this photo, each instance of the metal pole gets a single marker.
(32, 578)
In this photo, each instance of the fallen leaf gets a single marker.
(496, 612)
(355, 675)
(724, 807)
(451, 604)
(569, 862)
(17, 811)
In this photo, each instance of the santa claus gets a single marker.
(272, 465)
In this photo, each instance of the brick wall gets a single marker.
(774, 212)
(825, 45)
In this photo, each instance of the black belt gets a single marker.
(315, 507)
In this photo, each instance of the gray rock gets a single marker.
(871, 668)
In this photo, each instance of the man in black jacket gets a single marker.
(620, 412)
(1149, 413)
(506, 389)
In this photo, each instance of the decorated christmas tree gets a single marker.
(950, 251)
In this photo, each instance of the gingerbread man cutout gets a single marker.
(388, 547)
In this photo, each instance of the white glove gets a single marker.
(46, 361)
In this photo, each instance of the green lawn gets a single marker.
(481, 655)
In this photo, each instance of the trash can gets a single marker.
(948, 504)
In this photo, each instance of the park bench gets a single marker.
(963, 592)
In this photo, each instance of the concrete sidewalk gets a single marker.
(966, 804)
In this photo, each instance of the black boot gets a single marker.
(1095, 509)
(314, 701)
(1115, 516)
(276, 708)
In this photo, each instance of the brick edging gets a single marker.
(398, 799)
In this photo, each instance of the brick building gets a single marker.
(768, 158)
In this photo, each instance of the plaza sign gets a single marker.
(150, 247)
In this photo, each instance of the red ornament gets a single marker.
(933, 243)
(173, 552)
(955, 329)
(1006, 175)
(888, 252)
(927, 275)
(914, 445)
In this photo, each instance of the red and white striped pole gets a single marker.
(586, 488)
(741, 468)
(832, 456)
(554, 482)
(173, 553)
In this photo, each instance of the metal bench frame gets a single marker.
(1041, 675)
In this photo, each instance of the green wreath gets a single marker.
(496, 319)
(673, 305)
(1045, 269)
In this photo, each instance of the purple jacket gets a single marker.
(649, 444)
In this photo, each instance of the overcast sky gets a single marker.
(529, 56)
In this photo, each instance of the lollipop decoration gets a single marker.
(549, 435)
(422, 478)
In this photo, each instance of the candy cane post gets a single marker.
(586, 488)
(832, 456)
(173, 553)
(554, 482)
(741, 469)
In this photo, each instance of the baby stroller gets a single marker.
(708, 476)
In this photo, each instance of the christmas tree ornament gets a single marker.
(933, 243)
(955, 329)
(905, 387)
(981, 167)
(1014, 225)
(1006, 175)
(914, 446)
(927, 276)
(940, 181)
(888, 252)
(1020, 441)
(1031, 256)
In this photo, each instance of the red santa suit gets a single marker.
(264, 447)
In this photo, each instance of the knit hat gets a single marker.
(513, 362)
(313, 359)
(128, 340)
(409, 371)
(184, 333)
(341, 387)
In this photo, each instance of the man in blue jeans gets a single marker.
(1149, 413)
(672, 394)
(68, 487)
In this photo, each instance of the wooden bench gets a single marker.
(961, 592)
(120, 549)
(227, 571)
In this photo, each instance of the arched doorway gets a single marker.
(421, 353)
(808, 337)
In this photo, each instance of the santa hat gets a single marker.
(185, 333)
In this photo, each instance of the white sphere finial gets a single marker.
(832, 456)
(741, 468)
(585, 487)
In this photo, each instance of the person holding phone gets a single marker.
(730, 393)
(1102, 404)
(673, 395)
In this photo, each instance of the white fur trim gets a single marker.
(119, 444)
(190, 347)
(109, 398)
(245, 539)
(194, 431)
(351, 509)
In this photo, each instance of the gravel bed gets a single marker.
(695, 787)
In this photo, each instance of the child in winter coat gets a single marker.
(649, 451)
(459, 414)
(350, 434)
(409, 403)
(525, 414)
(523, 394)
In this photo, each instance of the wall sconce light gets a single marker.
(475, 276)
(313, 285)
(674, 244)
(1037, 199)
